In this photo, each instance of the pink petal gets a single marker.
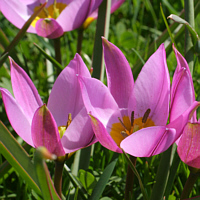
(65, 96)
(48, 28)
(188, 146)
(119, 74)
(74, 14)
(97, 99)
(148, 141)
(103, 136)
(79, 134)
(45, 131)
(115, 4)
(24, 90)
(18, 119)
(182, 92)
(152, 89)
(180, 122)
(17, 13)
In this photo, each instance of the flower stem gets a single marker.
(59, 164)
(189, 17)
(57, 48)
(189, 184)
(130, 179)
(80, 39)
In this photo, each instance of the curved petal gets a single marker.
(182, 94)
(17, 13)
(182, 91)
(103, 136)
(119, 74)
(24, 90)
(79, 134)
(180, 122)
(188, 146)
(65, 96)
(44, 131)
(152, 89)
(48, 28)
(149, 141)
(18, 119)
(74, 14)
(97, 99)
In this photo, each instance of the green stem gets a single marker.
(162, 176)
(59, 164)
(80, 39)
(189, 17)
(130, 179)
(189, 184)
(101, 30)
(57, 48)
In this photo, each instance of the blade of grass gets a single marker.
(18, 158)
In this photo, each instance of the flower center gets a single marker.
(53, 11)
(62, 129)
(126, 126)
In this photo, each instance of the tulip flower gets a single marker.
(127, 115)
(62, 126)
(57, 17)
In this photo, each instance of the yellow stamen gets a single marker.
(126, 126)
(53, 11)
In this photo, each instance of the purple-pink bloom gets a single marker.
(132, 116)
(57, 17)
(63, 126)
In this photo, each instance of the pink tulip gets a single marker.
(57, 17)
(133, 116)
(62, 126)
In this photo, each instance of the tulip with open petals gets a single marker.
(57, 17)
(132, 116)
(62, 126)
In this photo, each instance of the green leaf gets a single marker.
(52, 60)
(101, 184)
(88, 180)
(18, 158)
(167, 26)
(20, 34)
(193, 33)
(44, 179)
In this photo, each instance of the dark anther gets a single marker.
(132, 118)
(146, 115)
(122, 123)
(124, 134)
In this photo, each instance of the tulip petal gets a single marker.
(97, 99)
(119, 74)
(148, 141)
(45, 131)
(18, 119)
(24, 90)
(188, 146)
(152, 89)
(180, 122)
(79, 134)
(73, 15)
(182, 91)
(65, 96)
(48, 28)
(17, 13)
(115, 4)
(103, 136)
